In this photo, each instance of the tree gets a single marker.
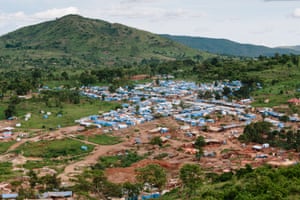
(255, 132)
(10, 111)
(98, 183)
(65, 75)
(112, 88)
(190, 175)
(22, 88)
(152, 174)
(36, 73)
(199, 154)
(95, 182)
(243, 92)
(156, 141)
(51, 182)
(131, 190)
(14, 100)
(284, 118)
(25, 194)
(217, 96)
(33, 178)
(87, 79)
(226, 91)
(200, 142)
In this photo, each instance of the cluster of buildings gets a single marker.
(64, 195)
(178, 99)
(275, 118)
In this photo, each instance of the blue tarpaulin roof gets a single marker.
(150, 196)
(9, 196)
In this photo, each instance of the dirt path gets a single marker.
(59, 132)
(16, 145)
(91, 159)
(83, 141)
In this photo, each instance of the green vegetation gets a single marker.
(102, 139)
(122, 160)
(63, 115)
(131, 190)
(190, 175)
(48, 182)
(200, 142)
(152, 174)
(49, 162)
(6, 171)
(4, 146)
(93, 181)
(54, 148)
(255, 132)
(76, 41)
(156, 141)
(261, 183)
(68, 53)
(260, 132)
(227, 47)
(264, 78)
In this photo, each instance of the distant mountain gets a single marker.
(296, 48)
(227, 47)
(75, 40)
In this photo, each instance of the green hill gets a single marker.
(296, 48)
(227, 47)
(75, 40)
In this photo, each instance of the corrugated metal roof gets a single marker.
(58, 194)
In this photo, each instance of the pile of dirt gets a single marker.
(122, 175)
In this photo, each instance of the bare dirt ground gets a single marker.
(139, 77)
(121, 175)
(229, 154)
(6, 123)
(140, 131)
(77, 167)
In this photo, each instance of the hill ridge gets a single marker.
(228, 47)
(92, 41)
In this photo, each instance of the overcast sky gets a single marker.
(264, 22)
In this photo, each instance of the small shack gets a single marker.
(213, 141)
(58, 195)
(215, 129)
(257, 147)
(9, 196)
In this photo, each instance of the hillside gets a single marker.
(296, 48)
(227, 47)
(75, 40)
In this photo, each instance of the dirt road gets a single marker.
(91, 159)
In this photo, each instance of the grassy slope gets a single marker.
(280, 92)
(4, 146)
(101, 139)
(70, 113)
(80, 41)
(227, 47)
(53, 149)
